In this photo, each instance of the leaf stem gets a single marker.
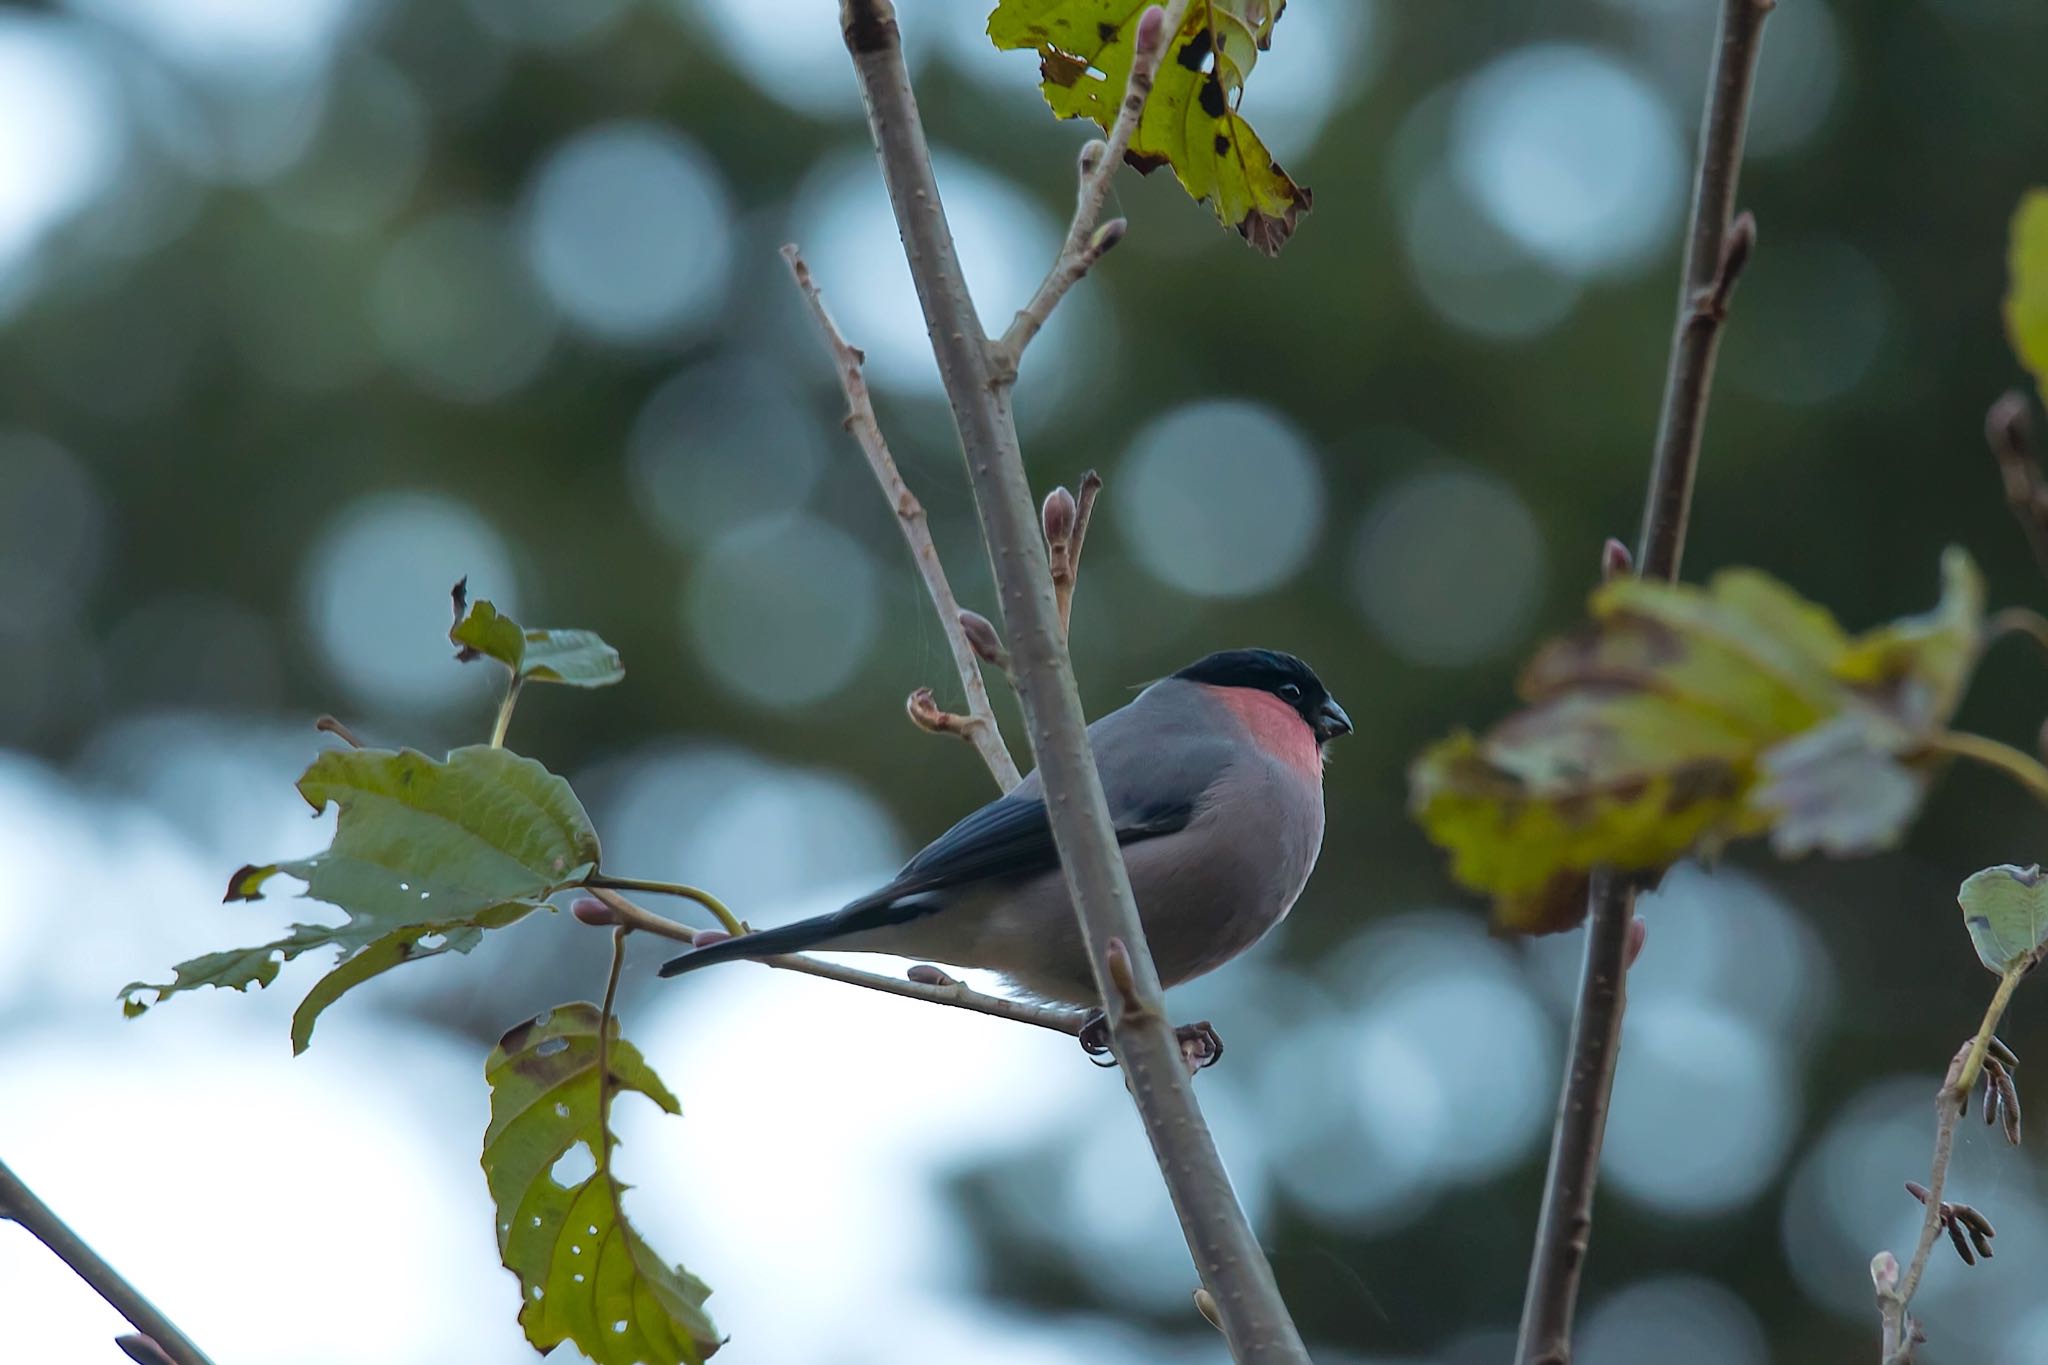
(727, 920)
(504, 721)
(604, 1045)
(1083, 246)
(1718, 246)
(2018, 621)
(19, 1203)
(1973, 1064)
(2023, 768)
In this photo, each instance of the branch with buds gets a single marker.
(1969, 1231)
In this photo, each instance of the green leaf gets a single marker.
(2026, 299)
(420, 848)
(575, 657)
(1191, 120)
(484, 634)
(2006, 911)
(1680, 718)
(394, 949)
(585, 1275)
(235, 969)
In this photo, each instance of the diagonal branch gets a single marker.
(1085, 243)
(1717, 248)
(977, 378)
(19, 1203)
(978, 727)
(925, 983)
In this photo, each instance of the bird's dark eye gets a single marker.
(1290, 692)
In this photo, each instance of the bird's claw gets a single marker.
(1200, 1045)
(1094, 1038)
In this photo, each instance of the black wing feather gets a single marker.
(1012, 837)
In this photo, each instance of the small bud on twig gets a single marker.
(1091, 156)
(1151, 32)
(1205, 1304)
(141, 1349)
(2008, 428)
(1884, 1272)
(331, 726)
(1615, 560)
(927, 975)
(1107, 236)
(1638, 935)
(981, 634)
(1057, 517)
(590, 910)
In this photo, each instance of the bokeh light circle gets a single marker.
(1221, 498)
(783, 612)
(1572, 154)
(376, 592)
(1448, 567)
(626, 230)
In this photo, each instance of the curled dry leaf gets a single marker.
(1679, 718)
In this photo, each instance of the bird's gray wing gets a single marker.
(1158, 757)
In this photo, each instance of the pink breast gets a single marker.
(1275, 727)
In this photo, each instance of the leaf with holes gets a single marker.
(2026, 299)
(1191, 122)
(2006, 911)
(449, 848)
(585, 1275)
(1680, 718)
(577, 658)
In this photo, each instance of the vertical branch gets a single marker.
(1718, 245)
(19, 1203)
(976, 373)
(979, 726)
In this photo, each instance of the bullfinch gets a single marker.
(1215, 785)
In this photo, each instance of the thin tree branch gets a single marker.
(1085, 244)
(1718, 245)
(1949, 1103)
(1226, 1252)
(928, 984)
(2010, 434)
(19, 1203)
(978, 727)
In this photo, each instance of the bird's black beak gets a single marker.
(1331, 721)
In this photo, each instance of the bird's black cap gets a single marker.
(1284, 675)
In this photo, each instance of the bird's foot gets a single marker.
(1200, 1045)
(1095, 1039)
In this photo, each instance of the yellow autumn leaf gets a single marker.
(1191, 121)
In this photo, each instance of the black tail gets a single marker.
(869, 912)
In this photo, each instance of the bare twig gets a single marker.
(976, 373)
(1064, 519)
(1086, 243)
(1950, 1102)
(978, 727)
(2010, 433)
(19, 1203)
(1717, 247)
(919, 987)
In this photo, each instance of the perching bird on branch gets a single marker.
(1215, 785)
